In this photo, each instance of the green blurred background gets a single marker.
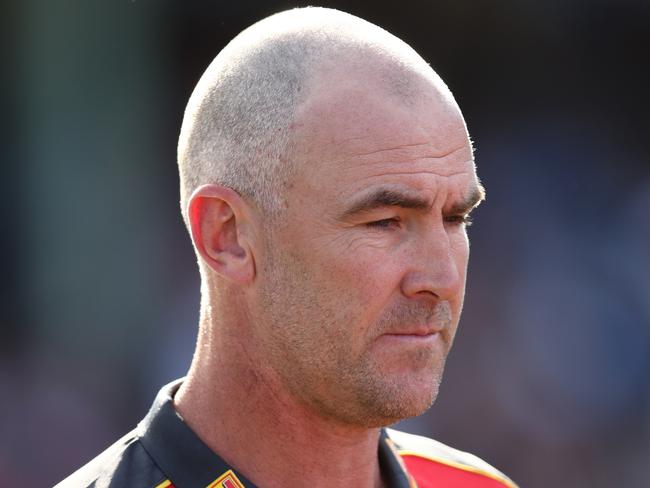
(550, 376)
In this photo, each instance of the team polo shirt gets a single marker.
(163, 452)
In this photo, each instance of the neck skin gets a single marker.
(240, 409)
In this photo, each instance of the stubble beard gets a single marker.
(309, 348)
(391, 396)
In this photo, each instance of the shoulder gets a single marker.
(125, 463)
(431, 462)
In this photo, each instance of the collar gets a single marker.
(189, 463)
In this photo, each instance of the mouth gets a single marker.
(431, 335)
(416, 337)
(411, 334)
(410, 346)
(418, 326)
(416, 331)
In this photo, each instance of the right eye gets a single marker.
(384, 223)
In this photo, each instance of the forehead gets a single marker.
(354, 132)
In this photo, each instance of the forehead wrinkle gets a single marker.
(439, 155)
(439, 165)
(416, 172)
(404, 155)
(393, 148)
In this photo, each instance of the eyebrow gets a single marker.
(387, 197)
(472, 200)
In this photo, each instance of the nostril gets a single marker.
(441, 282)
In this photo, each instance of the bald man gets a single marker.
(327, 179)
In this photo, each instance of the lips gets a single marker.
(416, 331)
(412, 339)
(417, 320)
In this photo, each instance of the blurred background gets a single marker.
(550, 376)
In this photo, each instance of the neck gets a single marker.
(241, 411)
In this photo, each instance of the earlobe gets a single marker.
(216, 216)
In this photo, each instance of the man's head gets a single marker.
(337, 175)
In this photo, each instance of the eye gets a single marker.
(384, 223)
(465, 220)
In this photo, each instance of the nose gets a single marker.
(436, 266)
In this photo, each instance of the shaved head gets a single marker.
(353, 178)
(238, 128)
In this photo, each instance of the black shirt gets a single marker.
(163, 452)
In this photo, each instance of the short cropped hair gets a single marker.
(237, 125)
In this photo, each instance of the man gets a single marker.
(326, 180)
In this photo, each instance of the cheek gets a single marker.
(372, 272)
(460, 249)
(460, 252)
(355, 286)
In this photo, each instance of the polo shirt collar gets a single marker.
(176, 449)
(189, 463)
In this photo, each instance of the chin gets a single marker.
(399, 401)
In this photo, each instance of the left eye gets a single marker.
(383, 223)
(459, 219)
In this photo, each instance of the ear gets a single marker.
(218, 219)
